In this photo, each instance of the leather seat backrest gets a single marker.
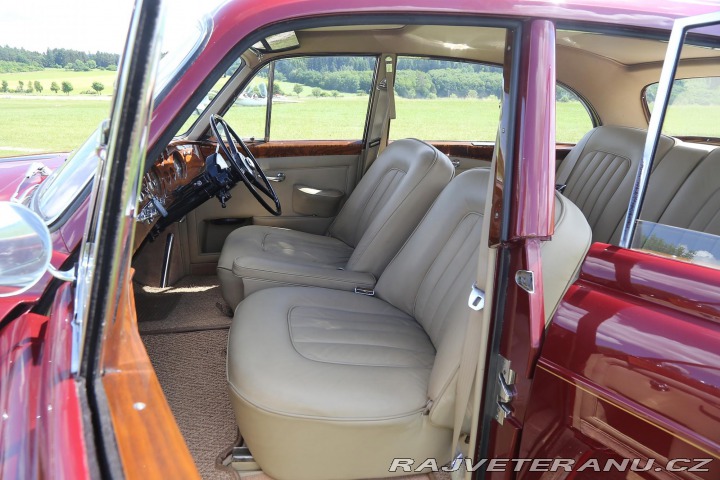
(389, 202)
(431, 276)
(695, 204)
(600, 171)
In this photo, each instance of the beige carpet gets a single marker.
(190, 305)
(191, 370)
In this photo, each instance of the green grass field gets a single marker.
(81, 81)
(30, 126)
(34, 125)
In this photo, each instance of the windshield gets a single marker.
(182, 39)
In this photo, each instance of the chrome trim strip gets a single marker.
(677, 38)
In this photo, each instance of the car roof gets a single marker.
(656, 14)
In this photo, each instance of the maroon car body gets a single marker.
(631, 358)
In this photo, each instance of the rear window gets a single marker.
(694, 109)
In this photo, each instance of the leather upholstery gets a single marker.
(599, 173)
(375, 221)
(331, 384)
(263, 247)
(389, 202)
(683, 190)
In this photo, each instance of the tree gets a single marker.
(4, 87)
(98, 87)
(298, 89)
(29, 88)
(67, 87)
(91, 64)
(80, 66)
(21, 86)
(38, 86)
(316, 92)
(112, 67)
(54, 87)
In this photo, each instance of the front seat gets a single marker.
(328, 384)
(373, 224)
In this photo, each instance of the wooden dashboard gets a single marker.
(176, 167)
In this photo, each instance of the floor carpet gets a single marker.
(191, 369)
(195, 303)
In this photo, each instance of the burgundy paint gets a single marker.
(40, 415)
(637, 333)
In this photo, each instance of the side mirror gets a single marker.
(25, 248)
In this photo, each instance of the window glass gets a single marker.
(572, 118)
(219, 85)
(249, 109)
(686, 228)
(446, 100)
(694, 109)
(321, 98)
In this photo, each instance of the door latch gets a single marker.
(506, 390)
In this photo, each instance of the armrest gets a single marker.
(312, 201)
(263, 272)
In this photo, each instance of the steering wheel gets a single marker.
(244, 164)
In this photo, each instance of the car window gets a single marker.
(249, 109)
(572, 116)
(444, 100)
(679, 217)
(313, 98)
(694, 109)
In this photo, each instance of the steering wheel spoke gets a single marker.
(244, 164)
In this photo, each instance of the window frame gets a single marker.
(691, 138)
(270, 63)
(398, 56)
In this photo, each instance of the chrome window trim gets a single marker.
(667, 76)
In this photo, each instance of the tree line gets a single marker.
(20, 60)
(416, 77)
(36, 86)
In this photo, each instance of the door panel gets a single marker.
(467, 155)
(324, 167)
(630, 368)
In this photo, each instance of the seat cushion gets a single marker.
(321, 373)
(277, 245)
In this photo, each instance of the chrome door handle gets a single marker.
(280, 177)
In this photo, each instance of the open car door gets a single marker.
(628, 381)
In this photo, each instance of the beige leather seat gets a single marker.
(599, 173)
(373, 224)
(329, 384)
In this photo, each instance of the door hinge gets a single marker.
(506, 390)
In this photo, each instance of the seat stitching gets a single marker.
(449, 285)
(682, 184)
(301, 275)
(333, 419)
(457, 225)
(605, 185)
(292, 342)
(402, 202)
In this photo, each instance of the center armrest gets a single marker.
(259, 272)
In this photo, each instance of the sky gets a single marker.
(86, 25)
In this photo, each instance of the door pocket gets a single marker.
(316, 202)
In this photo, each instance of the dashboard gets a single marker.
(176, 167)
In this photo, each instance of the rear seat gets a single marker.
(683, 191)
(599, 173)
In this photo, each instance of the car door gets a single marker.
(125, 407)
(307, 138)
(628, 381)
